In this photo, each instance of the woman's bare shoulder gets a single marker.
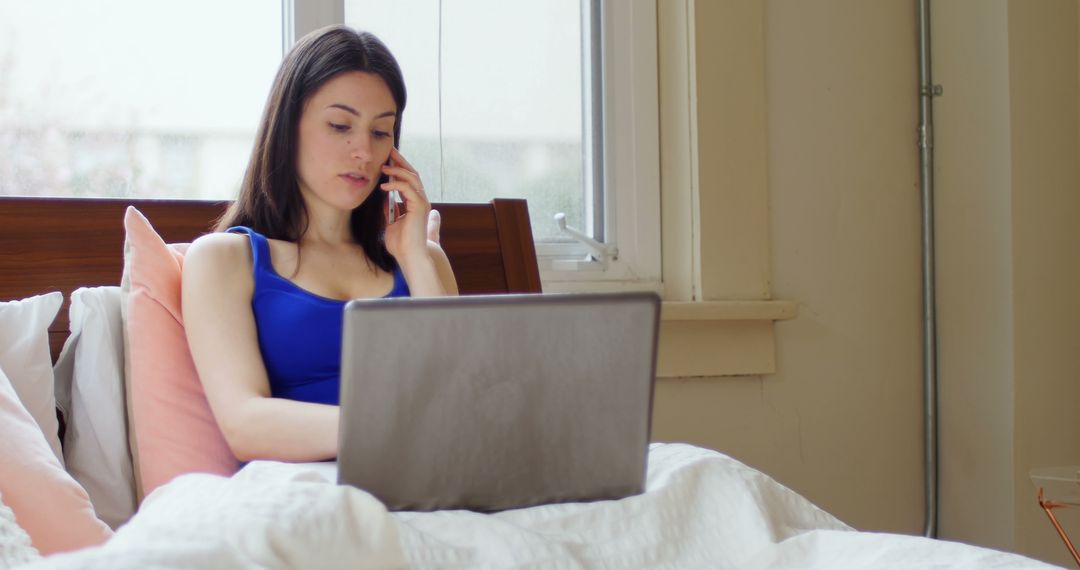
(220, 247)
(219, 257)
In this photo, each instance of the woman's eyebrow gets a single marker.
(345, 107)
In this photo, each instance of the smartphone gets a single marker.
(391, 211)
(392, 198)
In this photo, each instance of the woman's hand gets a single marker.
(413, 237)
(406, 238)
(434, 226)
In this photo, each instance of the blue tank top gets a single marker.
(299, 331)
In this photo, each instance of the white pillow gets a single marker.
(90, 390)
(25, 356)
(15, 546)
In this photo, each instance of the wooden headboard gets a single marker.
(61, 244)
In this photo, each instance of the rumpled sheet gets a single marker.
(701, 509)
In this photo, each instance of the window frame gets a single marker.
(716, 290)
(630, 138)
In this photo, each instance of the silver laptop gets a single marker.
(497, 402)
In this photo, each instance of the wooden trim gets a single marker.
(518, 249)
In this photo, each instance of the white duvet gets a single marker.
(701, 509)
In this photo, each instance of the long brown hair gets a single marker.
(270, 202)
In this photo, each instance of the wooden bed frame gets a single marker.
(61, 244)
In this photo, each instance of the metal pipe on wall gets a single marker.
(927, 92)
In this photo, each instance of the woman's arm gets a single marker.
(442, 268)
(430, 275)
(220, 327)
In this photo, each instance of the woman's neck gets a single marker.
(327, 225)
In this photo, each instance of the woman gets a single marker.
(262, 301)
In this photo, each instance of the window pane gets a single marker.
(511, 99)
(132, 98)
(410, 28)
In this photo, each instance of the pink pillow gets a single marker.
(53, 509)
(172, 428)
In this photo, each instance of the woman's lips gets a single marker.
(356, 181)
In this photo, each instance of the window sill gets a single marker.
(729, 311)
(719, 338)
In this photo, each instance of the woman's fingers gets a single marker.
(395, 154)
(406, 189)
(414, 201)
(404, 179)
(399, 166)
(399, 173)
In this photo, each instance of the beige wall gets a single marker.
(974, 259)
(841, 420)
(1010, 343)
(1046, 243)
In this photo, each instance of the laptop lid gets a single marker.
(497, 402)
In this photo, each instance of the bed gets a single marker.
(701, 509)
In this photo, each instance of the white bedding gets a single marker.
(701, 510)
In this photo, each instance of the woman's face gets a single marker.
(345, 136)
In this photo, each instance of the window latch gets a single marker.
(595, 260)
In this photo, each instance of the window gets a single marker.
(549, 100)
(486, 121)
(132, 98)
(554, 101)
